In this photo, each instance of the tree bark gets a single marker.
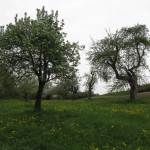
(133, 89)
(90, 93)
(37, 106)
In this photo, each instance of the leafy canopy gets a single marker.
(38, 46)
(121, 55)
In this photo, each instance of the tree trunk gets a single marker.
(133, 89)
(90, 93)
(37, 106)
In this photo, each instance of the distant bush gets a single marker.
(144, 88)
(82, 95)
(141, 88)
(67, 95)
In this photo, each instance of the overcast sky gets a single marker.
(83, 18)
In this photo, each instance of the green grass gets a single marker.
(102, 123)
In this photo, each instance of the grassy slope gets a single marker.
(75, 125)
(141, 88)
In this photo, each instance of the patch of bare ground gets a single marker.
(144, 94)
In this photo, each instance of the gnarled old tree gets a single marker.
(91, 80)
(38, 46)
(122, 55)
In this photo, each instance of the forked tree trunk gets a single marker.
(39, 93)
(133, 89)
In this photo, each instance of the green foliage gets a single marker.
(54, 92)
(84, 94)
(38, 47)
(121, 55)
(119, 93)
(144, 88)
(75, 125)
(68, 87)
(57, 92)
(27, 87)
(8, 87)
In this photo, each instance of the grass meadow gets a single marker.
(99, 124)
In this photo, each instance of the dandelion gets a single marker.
(13, 131)
(124, 144)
